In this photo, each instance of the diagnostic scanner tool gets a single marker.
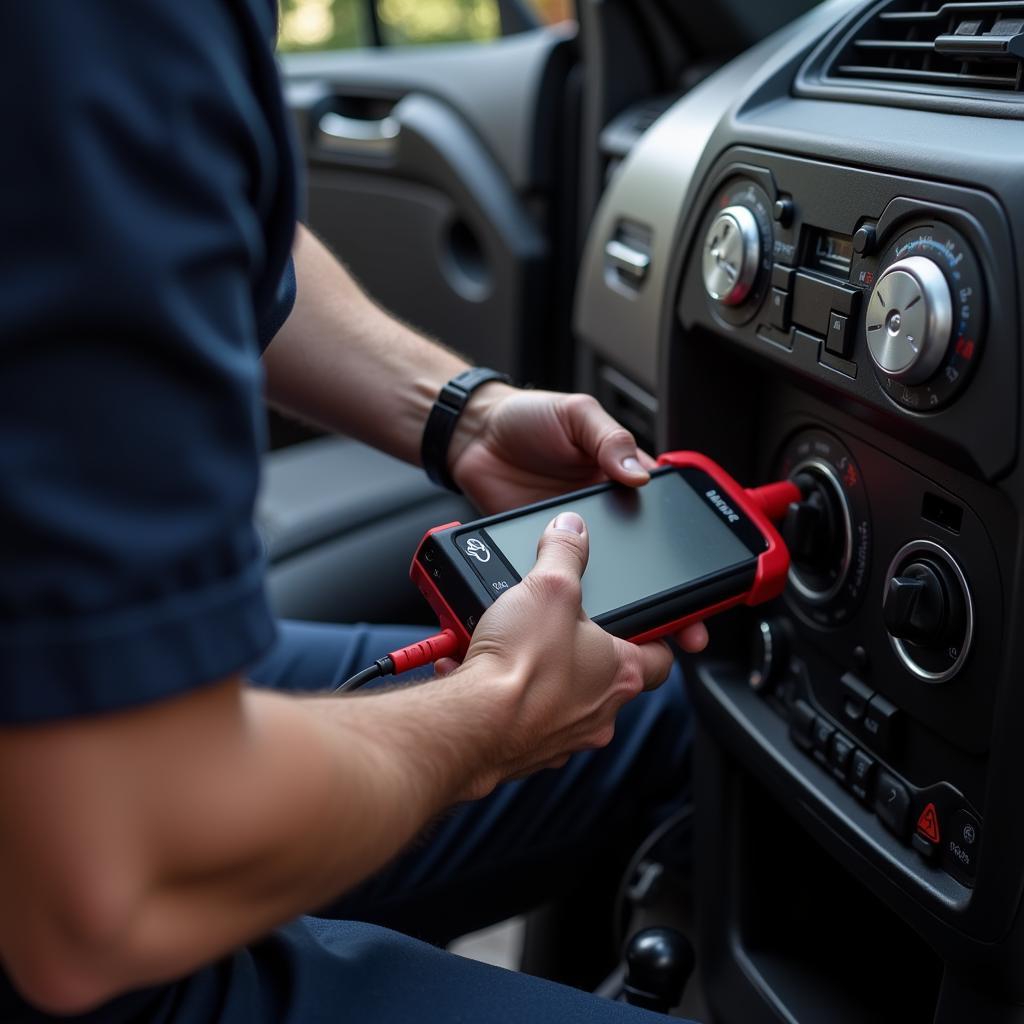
(689, 544)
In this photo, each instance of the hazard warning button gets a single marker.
(928, 824)
(928, 834)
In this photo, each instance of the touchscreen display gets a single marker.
(642, 542)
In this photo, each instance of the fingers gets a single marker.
(655, 663)
(607, 442)
(445, 667)
(694, 638)
(563, 548)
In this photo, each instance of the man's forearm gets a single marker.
(346, 365)
(241, 810)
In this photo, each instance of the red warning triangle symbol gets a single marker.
(928, 823)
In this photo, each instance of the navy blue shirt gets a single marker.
(146, 222)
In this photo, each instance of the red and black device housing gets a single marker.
(460, 587)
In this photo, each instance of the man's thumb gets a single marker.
(564, 546)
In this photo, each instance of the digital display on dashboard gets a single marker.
(830, 253)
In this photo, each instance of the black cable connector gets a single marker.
(380, 668)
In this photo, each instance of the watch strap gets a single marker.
(443, 418)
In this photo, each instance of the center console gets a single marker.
(830, 291)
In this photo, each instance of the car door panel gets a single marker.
(435, 231)
(429, 173)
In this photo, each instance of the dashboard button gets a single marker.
(782, 277)
(839, 337)
(960, 845)
(840, 756)
(928, 833)
(783, 211)
(864, 240)
(862, 774)
(892, 803)
(821, 737)
(881, 721)
(778, 309)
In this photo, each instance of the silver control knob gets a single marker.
(732, 255)
(910, 320)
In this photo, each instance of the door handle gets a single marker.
(354, 135)
(629, 260)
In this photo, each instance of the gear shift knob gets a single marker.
(659, 962)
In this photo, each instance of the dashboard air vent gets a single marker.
(944, 47)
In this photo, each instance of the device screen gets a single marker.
(643, 542)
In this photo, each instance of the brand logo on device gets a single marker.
(722, 505)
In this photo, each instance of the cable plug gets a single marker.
(442, 645)
(774, 499)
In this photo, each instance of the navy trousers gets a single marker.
(359, 962)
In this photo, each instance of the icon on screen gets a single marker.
(478, 549)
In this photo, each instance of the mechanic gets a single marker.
(167, 812)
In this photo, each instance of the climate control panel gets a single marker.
(872, 286)
(926, 317)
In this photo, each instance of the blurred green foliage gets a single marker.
(342, 24)
(323, 25)
(438, 21)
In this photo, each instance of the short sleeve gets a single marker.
(139, 171)
(271, 320)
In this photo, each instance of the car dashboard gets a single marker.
(809, 267)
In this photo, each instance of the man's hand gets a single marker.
(514, 447)
(553, 679)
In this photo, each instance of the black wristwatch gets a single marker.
(437, 434)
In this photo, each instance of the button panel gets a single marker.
(934, 821)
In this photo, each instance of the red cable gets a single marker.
(443, 645)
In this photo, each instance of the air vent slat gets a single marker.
(951, 11)
(942, 47)
(902, 45)
(937, 77)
